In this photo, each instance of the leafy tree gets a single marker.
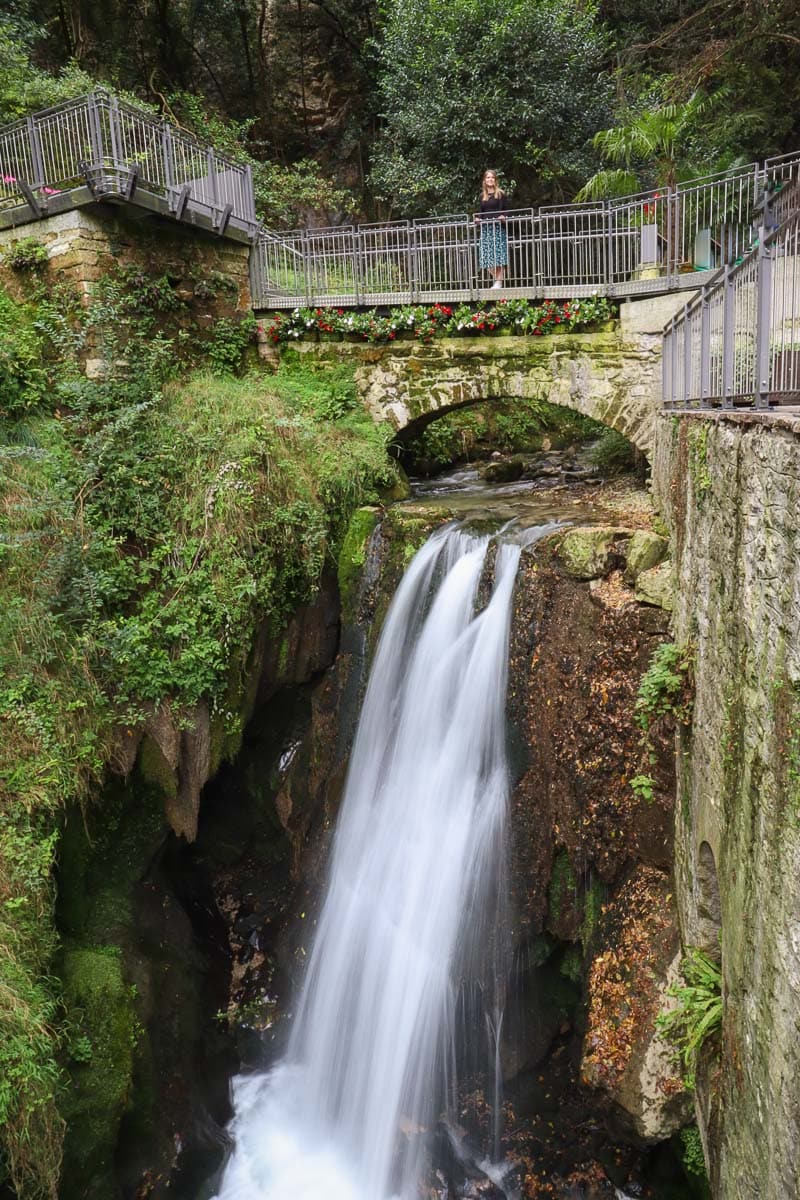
(466, 84)
(24, 86)
(651, 148)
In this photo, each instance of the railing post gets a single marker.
(610, 272)
(96, 131)
(304, 243)
(251, 191)
(705, 349)
(212, 176)
(674, 361)
(763, 322)
(728, 339)
(414, 263)
(687, 357)
(167, 154)
(114, 130)
(666, 363)
(358, 263)
(37, 158)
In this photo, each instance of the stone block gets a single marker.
(645, 550)
(588, 553)
(657, 586)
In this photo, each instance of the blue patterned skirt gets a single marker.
(493, 250)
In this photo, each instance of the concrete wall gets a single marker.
(729, 486)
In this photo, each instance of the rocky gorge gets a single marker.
(213, 934)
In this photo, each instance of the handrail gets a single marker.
(113, 148)
(642, 243)
(738, 342)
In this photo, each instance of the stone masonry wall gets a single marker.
(729, 486)
(613, 376)
(83, 244)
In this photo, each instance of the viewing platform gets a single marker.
(728, 242)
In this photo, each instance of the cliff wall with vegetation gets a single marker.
(729, 486)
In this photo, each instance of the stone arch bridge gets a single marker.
(613, 376)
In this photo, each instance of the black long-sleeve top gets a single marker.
(494, 206)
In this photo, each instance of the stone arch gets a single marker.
(708, 908)
(613, 381)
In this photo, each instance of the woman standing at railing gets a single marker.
(493, 251)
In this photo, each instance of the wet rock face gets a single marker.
(578, 652)
(580, 836)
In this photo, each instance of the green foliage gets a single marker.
(228, 342)
(28, 254)
(692, 1157)
(698, 461)
(25, 87)
(643, 788)
(697, 1018)
(147, 529)
(285, 194)
(613, 454)
(24, 379)
(468, 84)
(651, 148)
(666, 686)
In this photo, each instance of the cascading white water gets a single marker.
(416, 869)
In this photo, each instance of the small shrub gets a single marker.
(698, 1015)
(666, 686)
(28, 254)
(613, 454)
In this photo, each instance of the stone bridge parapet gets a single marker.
(613, 376)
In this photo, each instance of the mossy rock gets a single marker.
(101, 1014)
(657, 587)
(353, 555)
(506, 471)
(588, 553)
(645, 550)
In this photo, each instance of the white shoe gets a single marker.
(497, 284)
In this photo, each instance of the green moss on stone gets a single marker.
(657, 587)
(155, 769)
(593, 901)
(645, 550)
(353, 556)
(587, 553)
(563, 888)
(100, 1010)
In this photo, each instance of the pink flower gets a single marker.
(9, 179)
(48, 191)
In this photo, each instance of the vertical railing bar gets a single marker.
(728, 339)
(763, 305)
(705, 349)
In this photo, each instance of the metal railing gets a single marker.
(738, 341)
(662, 240)
(115, 149)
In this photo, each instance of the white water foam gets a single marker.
(416, 869)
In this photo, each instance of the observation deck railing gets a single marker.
(738, 341)
(100, 144)
(658, 241)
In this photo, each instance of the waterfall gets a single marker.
(412, 901)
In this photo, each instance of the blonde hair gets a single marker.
(498, 191)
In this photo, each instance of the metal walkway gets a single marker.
(99, 148)
(659, 241)
(738, 342)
